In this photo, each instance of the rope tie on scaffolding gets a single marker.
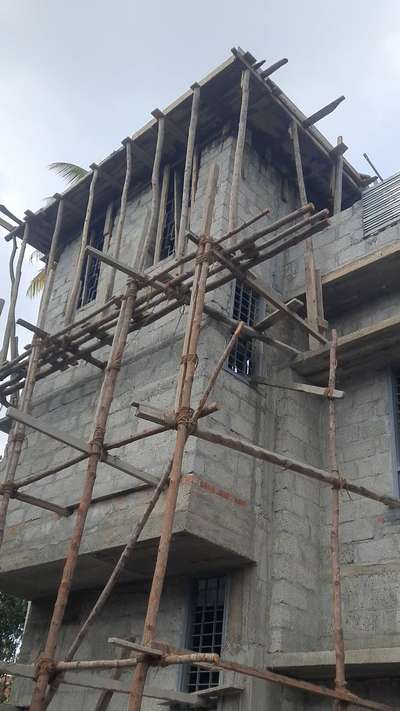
(97, 440)
(190, 358)
(8, 487)
(184, 416)
(45, 666)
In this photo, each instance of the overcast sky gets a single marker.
(79, 76)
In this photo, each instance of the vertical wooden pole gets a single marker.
(238, 162)
(74, 293)
(177, 204)
(10, 323)
(193, 188)
(187, 371)
(122, 213)
(340, 680)
(155, 187)
(337, 196)
(314, 313)
(194, 115)
(96, 443)
(18, 431)
(161, 217)
(111, 582)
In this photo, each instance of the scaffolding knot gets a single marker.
(45, 666)
(190, 358)
(8, 488)
(98, 436)
(203, 257)
(184, 416)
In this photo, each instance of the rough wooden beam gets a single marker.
(337, 195)
(318, 115)
(266, 292)
(271, 319)
(249, 331)
(41, 504)
(80, 445)
(298, 387)
(180, 698)
(273, 67)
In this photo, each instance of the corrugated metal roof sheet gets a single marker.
(381, 205)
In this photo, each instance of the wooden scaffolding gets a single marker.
(146, 299)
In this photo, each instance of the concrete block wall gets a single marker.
(340, 243)
(276, 521)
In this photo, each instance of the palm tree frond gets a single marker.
(35, 256)
(69, 171)
(37, 284)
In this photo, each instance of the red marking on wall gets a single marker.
(212, 489)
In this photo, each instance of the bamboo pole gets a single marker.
(187, 175)
(293, 465)
(193, 187)
(13, 341)
(102, 327)
(106, 695)
(74, 293)
(337, 195)
(161, 217)
(96, 445)
(340, 678)
(313, 314)
(32, 478)
(112, 581)
(217, 370)
(10, 323)
(122, 214)
(238, 162)
(184, 389)
(18, 432)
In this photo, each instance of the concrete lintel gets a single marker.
(360, 663)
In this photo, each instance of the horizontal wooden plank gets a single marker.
(272, 318)
(46, 429)
(298, 387)
(377, 345)
(80, 445)
(90, 681)
(128, 644)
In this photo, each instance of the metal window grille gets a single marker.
(241, 358)
(168, 236)
(206, 629)
(91, 266)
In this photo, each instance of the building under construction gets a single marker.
(200, 487)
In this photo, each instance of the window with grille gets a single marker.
(168, 235)
(241, 358)
(396, 415)
(206, 629)
(91, 265)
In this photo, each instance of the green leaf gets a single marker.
(69, 171)
(35, 256)
(12, 617)
(37, 284)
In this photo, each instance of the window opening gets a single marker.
(91, 265)
(241, 357)
(206, 628)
